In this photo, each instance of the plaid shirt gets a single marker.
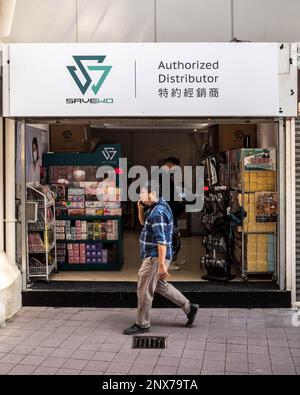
(158, 229)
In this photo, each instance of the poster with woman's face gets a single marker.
(34, 152)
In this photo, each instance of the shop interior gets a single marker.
(73, 235)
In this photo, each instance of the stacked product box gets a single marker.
(76, 253)
(61, 252)
(112, 229)
(76, 202)
(95, 253)
(260, 252)
(253, 187)
(250, 225)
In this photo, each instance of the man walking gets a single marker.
(156, 253)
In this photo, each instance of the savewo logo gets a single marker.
(83, 86)
(109, 153)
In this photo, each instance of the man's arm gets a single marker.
(141, 213)
(162, 269)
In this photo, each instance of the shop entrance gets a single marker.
(235, 237)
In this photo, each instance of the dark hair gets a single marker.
(171, 159)
(152, 186)
(35, 142)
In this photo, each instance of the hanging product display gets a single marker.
(215, 220)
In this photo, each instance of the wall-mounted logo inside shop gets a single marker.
(89, 76)
(67, 134)
(239, 134)
(109, 152)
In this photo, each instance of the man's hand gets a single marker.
(163, 272)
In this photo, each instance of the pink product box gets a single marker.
(91, 191)
(75, 212)
(114, 211)
(76, 192)
(94, 211)
(77, 199)
(88, 184)
(96, 204)
(78, 223)
(78, 205)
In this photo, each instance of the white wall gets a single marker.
(135, 21)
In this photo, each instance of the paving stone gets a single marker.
(194, 354)
(103, 356)
(54, 362)
(241, 367)
(99, 366)
(215, 347)
(146, 360)
(214, 355)
(168, 361)
(6, 367)
(44, 370)
(42, 351)
(190, 363)
(165, 370)
(212, 372)
(33, 360)
(22, 370)
(12, 358)
(83, 354)
(65, 372)
(261, 350)
(217, 365)
(188, 371)
(78, 364)
(283, 370)
(138, 368)
(238, 348)
(236, 357)
(118, 367)
(109, 347)
(90, 373)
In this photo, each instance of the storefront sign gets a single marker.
(165, 79)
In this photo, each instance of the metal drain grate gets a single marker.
(149, 342)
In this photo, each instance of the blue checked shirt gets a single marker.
(158, 229)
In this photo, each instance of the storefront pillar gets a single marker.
(10, 276)
(290, 209)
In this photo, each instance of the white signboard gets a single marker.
(165, 79)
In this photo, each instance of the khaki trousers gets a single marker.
(148, 283)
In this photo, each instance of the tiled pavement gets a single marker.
(90, 341)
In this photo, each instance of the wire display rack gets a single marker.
(41, 255)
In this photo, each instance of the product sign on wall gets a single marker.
(161, 79)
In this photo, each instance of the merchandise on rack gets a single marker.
(88, 208)
(253, 188)
(215, 220)
(41, 243)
